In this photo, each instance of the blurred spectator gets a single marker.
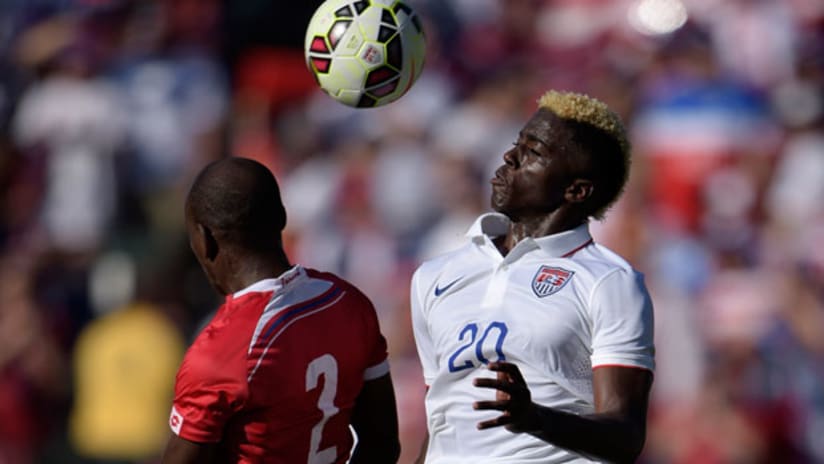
(33, 366)
(755, 40)
(692, 121)
(124, 367)
(75, 120)
(798, 183)
(174, 92)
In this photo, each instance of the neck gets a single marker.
(247, 270)
(540, 226)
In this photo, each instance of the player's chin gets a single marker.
(499, 201)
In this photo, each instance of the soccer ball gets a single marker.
(365, 53)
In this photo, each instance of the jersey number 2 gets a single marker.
(472, 330)
(327, 366)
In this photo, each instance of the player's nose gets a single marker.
(511, 157)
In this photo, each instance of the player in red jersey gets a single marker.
(291, 359)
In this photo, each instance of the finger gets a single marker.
(494, 405)
(509, 369)
(497, 384)
(497, 422)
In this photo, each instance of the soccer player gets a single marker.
(291, 359)
(536, 342)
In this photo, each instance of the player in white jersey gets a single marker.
(537, 343)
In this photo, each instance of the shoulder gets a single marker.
(203, 375)
(331, 279)
(600, 262)
(606, 272)
(219, 350)
(442, 273)
(486, 226)
(339, 285)
(613, 278)
(431, 269)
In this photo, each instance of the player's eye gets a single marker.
(529, 148)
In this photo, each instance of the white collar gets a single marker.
(558, 245)
(274, 284)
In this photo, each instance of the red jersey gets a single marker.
(274, 376)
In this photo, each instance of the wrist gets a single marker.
(533, 419)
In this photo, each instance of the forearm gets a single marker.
(614, 433)
(422, 453)
(375, 422)
(376, 452)
(181, 451)
(600, 436)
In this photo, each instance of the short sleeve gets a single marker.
(377, 351)
(420, 329)
(205, 398)
(378, 360)
(622, 322)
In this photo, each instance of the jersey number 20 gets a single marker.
(461, 359)
(327, 366)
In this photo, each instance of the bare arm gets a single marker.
(615, 432)
(424, 446)
(375, 420)
(181, 451)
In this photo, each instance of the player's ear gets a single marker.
(579, 191)
(210, 245)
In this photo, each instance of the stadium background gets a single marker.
(107, 108)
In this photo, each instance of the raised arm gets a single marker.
(375, 420)
(615, 432)
(181, 451)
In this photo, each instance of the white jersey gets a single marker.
(556, 306)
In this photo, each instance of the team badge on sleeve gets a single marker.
(175, 421)
(549, 280)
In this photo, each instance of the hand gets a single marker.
(512, 397)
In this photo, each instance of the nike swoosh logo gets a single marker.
(440, 290)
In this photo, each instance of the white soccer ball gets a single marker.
(365, 53)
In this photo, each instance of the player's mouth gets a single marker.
(498, 180)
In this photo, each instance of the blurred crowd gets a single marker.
(108, 107)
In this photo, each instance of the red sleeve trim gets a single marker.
(189, 430)
(576, 250)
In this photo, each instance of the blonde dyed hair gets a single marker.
(590, 111)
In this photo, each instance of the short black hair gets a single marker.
(239, 198)
(602, 161)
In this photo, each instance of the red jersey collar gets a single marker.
(274, 284)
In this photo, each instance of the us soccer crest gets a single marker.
(549, 280)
